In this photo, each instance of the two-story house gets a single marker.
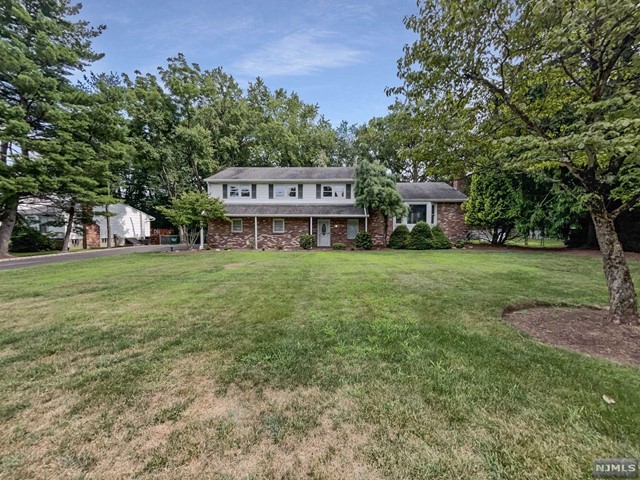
(273, 207)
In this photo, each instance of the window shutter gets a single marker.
(318, 192)
(224, 190)
(348, 190)
(253, 190)
(270, 190)
(300, 190)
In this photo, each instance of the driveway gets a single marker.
(21, 262)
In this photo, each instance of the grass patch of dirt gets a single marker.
(584, 330)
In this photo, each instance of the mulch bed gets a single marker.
(585, 330)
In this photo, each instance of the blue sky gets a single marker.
(338, 54)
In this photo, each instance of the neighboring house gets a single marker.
(127, 223)
(274, 207)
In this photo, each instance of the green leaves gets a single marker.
(193, 210)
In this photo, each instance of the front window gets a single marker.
(278, 225)
(417, 213)
(334, 191)
(236, 225)
(353, 225)
(240, 191)
(285, 191)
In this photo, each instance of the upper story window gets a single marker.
(239, 191)
(285, 191)
(333, 191)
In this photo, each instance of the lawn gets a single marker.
(304, 364)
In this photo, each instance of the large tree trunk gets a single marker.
(67, 232)
(623, 304)
(8, 217)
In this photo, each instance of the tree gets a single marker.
(40, 48)
(562, 79)
(192, 211)
(376, 190)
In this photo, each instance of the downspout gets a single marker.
(255, 232)
(310, 225)
(366, 219)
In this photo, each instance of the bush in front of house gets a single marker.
(400, 237)
(421, 237)
(26, 239)
(307, 241)
(339, 246)
(363, 241)
(459, 244)
(440, 240)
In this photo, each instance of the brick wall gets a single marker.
(376, 228)
(91, 236)
(451, 219)
(221, 236)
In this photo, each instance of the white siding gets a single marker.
(262, 195)
(127, 223)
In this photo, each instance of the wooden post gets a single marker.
(255, 232)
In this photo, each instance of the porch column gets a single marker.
(255, 232)
(310, 225)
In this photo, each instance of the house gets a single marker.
(273, 207)
(127, 223)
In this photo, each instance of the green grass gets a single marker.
(291, 364)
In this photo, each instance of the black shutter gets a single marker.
(318, 192)
(300, 190)
(224, 190)
(253, 190)
(348, 190)
(270, 190)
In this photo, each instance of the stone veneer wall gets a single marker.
(220, 235)
(451, 219)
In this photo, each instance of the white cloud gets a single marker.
(299, 53)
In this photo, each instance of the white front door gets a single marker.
(324, 233)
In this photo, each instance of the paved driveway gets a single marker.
(21, 262)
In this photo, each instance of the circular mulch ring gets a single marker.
(585, 330)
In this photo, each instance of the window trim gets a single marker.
(241, 225)
(357, 224)
(273, 225)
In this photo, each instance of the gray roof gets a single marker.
(262, 210)
(429, 191)
(264, 174)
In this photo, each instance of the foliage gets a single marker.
(307, 241)
(376, 190)
(27, 239)
(363, 241)
(399, 238)
(421, 237)
(339, 246)
(440, 240)
(41, 47)
(459, 244)
(192, 211)
(551, 85)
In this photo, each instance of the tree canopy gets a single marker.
(542, 86)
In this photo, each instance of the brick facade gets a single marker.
(91, 238)
(221, 236)
(451, 219)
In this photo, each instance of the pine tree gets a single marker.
(40, 48)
